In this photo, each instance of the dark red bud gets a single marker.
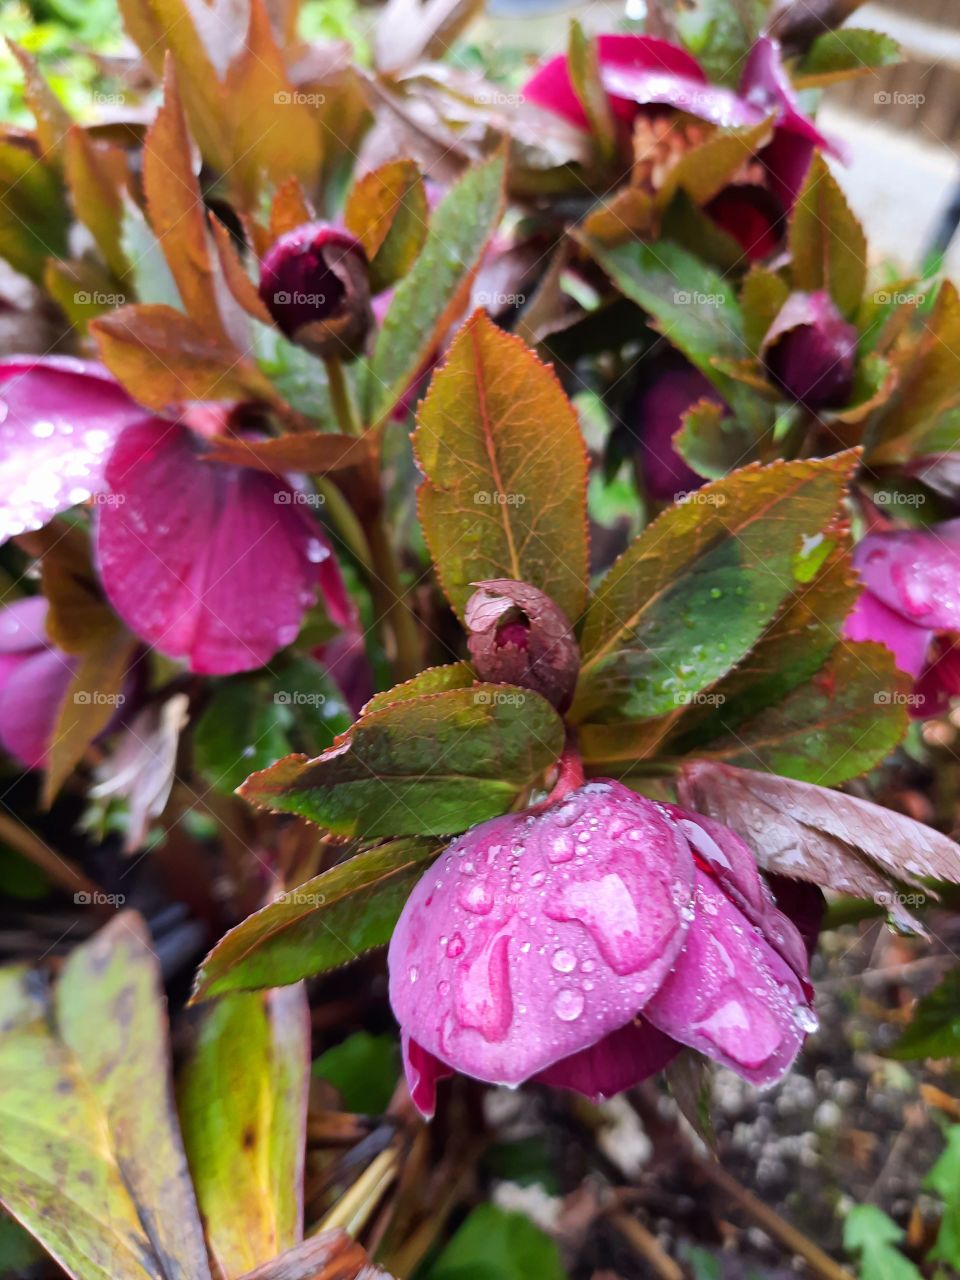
(517, 635)
(314, 283)
(810, 350)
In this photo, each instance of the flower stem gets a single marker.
(340, 398)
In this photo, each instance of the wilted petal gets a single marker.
(617, 1062)
(731, 995)
(213, 564)
(59, 419)
(535, 935)
(939, 682)
(916, 572)
(871, 619)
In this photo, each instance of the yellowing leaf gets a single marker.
(387, 212)
(827, 244)
(506, 470)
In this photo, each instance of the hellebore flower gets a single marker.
(911, 580)
(314, 283)
(212, 563)
(810, 350)
(34, 678)
(582, 943)
(654, 418)
(643, 74)
(517, 635)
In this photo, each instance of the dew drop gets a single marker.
(564, 962)
(568, 1005)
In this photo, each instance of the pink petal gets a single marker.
(422, 1071)
(30, 698)
(731, 995)
(627, 55)
(630, 87)
(23, 625)
(213, 564)
(730, 862)
(619, 1061)
(59, 419)
(916, 572)
(871, 619)
(537, 934)
(939, 682)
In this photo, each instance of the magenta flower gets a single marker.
(34, 678)
(641, 73)
(582, 943)
(911, 593)
(656, 415)
(314, 283)
(811, 351)
(211, 563)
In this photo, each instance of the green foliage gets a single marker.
(495, 1245)
(364, 1068)
(871, 1234)
(934, 1029)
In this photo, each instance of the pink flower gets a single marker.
(34, 678)
(641, 73)
(211, 563)
(582, 943)
(656, 415)
(911, 593)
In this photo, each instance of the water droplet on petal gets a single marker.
(568, 1005)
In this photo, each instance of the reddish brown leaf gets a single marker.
(387, 212)
(52, 119)
(331, 1255)
(98, 175)
(812, 833)
(175, 206)
(242, 288)
(290, 208)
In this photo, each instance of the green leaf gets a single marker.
(34, 219)
(841, 723)
(151, 276)
(324, 923)
(871, 1234)
(430, 297)
(944, 1178)
(583, 67)
(934, 1029)
(456, 675)
(433, 765)
(719, 564)
(837, 55)
(242, 1096)
(250, 723)
(387, 211)
(364, 1069)
(91, 1160)
(505, 488)
(720, 34)
(496, 1245)
(763, 294)
(827, 245)
(709, 440)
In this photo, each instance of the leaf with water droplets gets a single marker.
(322, 924)
(430, 765)
(811, 833)
(506, 471)
(697, 589)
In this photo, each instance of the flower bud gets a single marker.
(810, 350)
(517, 635)
(314, 283)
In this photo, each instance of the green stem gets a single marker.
(340, 398)
(345, 524)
